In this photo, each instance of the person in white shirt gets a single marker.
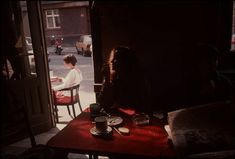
(74, 77)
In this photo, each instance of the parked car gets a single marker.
(84, 45)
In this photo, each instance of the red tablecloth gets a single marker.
(149, 141)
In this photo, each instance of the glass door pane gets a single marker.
(29, 55)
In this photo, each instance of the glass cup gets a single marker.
(95, 109)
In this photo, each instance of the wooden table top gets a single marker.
(147, 141)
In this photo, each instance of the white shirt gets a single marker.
(74, 77)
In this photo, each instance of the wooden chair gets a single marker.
(74, 98)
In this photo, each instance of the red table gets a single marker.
(145, 141)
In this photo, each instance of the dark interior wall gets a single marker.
(164, 35)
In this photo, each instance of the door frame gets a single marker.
(39, 46)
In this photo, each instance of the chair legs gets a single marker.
(73, 108)
(80, 107)
(74, 114)
(79, 104)
(56, 114)
(68, 109)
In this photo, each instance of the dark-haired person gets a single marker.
(124, 83)
(211, 85)
(74, 77)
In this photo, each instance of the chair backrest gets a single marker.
(74, 98)
(76, 88)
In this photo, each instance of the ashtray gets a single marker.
(141, 119)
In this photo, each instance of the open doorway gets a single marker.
(67, 21)
(67, 31)
(28, 55)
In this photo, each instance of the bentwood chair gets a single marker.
(72, 100)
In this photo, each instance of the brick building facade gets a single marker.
(66, 19)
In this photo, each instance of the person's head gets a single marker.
(70, 61)
(122, 61)
(207, 60)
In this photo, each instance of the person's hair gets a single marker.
(70, 59)
(208, 52)
(126, 63)
(125, 57)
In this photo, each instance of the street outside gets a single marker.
(86, 90)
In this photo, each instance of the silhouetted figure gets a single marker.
(124, 83)
(210, 85)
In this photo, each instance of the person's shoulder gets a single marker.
(225, 85)
(71, 72)
(75, 70)
(224, 79)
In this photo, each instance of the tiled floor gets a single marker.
(64, 118)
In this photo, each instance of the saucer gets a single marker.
(93, 131)
(114, 121)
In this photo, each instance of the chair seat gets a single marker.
(60, 100)
(66, 100)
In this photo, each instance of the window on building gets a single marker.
(52, 19)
